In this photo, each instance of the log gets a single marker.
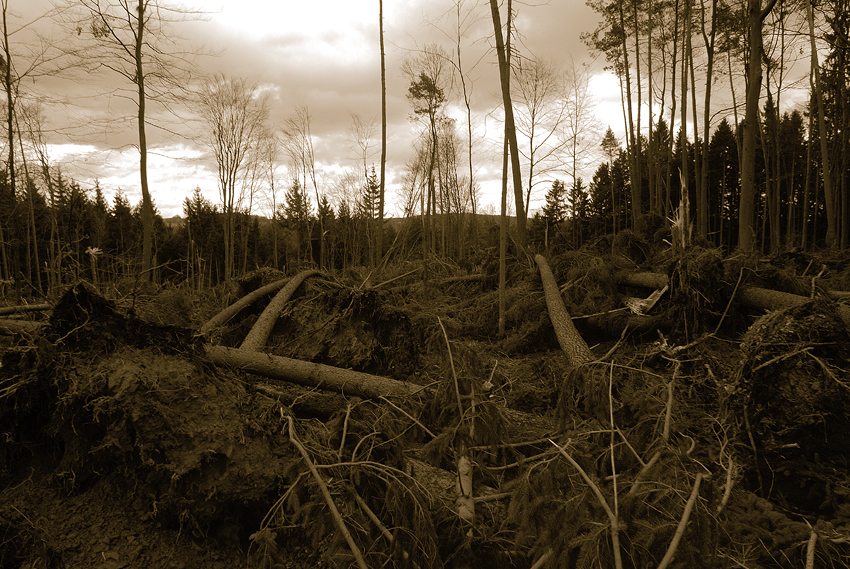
(568, 337)
(259, 334)
(752, 296)
(346, 381)
(19, 327)
(24, 308)
(226, 314)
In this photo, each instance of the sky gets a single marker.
(321, 54)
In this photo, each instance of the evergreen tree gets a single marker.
(370, 197)
(296, 207)
(555, 209)
(296, 218)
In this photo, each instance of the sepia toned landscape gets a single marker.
(444, 284)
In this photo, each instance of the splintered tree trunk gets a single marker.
(754, 297)
(262, 329)
(568, 337)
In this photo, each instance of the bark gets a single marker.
(346, 381)
(568, 337)
(26, 308)
(232, 310)
(262, 329)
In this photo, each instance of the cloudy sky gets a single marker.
(322, 54)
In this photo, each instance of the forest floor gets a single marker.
(708, 431)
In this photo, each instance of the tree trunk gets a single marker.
(568, 337)
(746, 209)
(147, 203)
(232, 310)
(828, 198)
(262, 329)
(379, 238)
(510, 126)
(346, 381)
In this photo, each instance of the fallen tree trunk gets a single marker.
(345, 381)
(234, 309)
(19, 327)
(568, 337)
(752, 296)
(25, 308)
(262, 329)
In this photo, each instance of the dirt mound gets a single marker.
(119, 401)
(793, 396)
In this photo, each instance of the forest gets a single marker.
(641, 359)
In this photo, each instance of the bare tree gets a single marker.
(298, 144)
(137, 43)
(28, 58)
(581, 128)
(540, 119)
(235, 116)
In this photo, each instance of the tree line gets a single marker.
(760, 175)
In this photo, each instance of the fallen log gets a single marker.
(752, 296)
(259, 334)
(345, 381)
(226, 314)
(19, 327)
(24, 308)
(568, 337)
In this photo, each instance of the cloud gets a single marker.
(321, 54)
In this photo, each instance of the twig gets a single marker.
(731, 469)
(409, 416)
(612, 519)
(460, 409)
(344, 431)
(728, 304)
(611, 440)
(665, 434)
(386, 282)
(810, 550)
(374, 518)
(779, 358)
(465, 468)
(326, 494)
(543, 559)
(683, 523)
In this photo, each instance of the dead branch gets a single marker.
(568, 337)
(262, 329)
(326, 494)
(612, 518)
(810, 550)
(683, 523)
